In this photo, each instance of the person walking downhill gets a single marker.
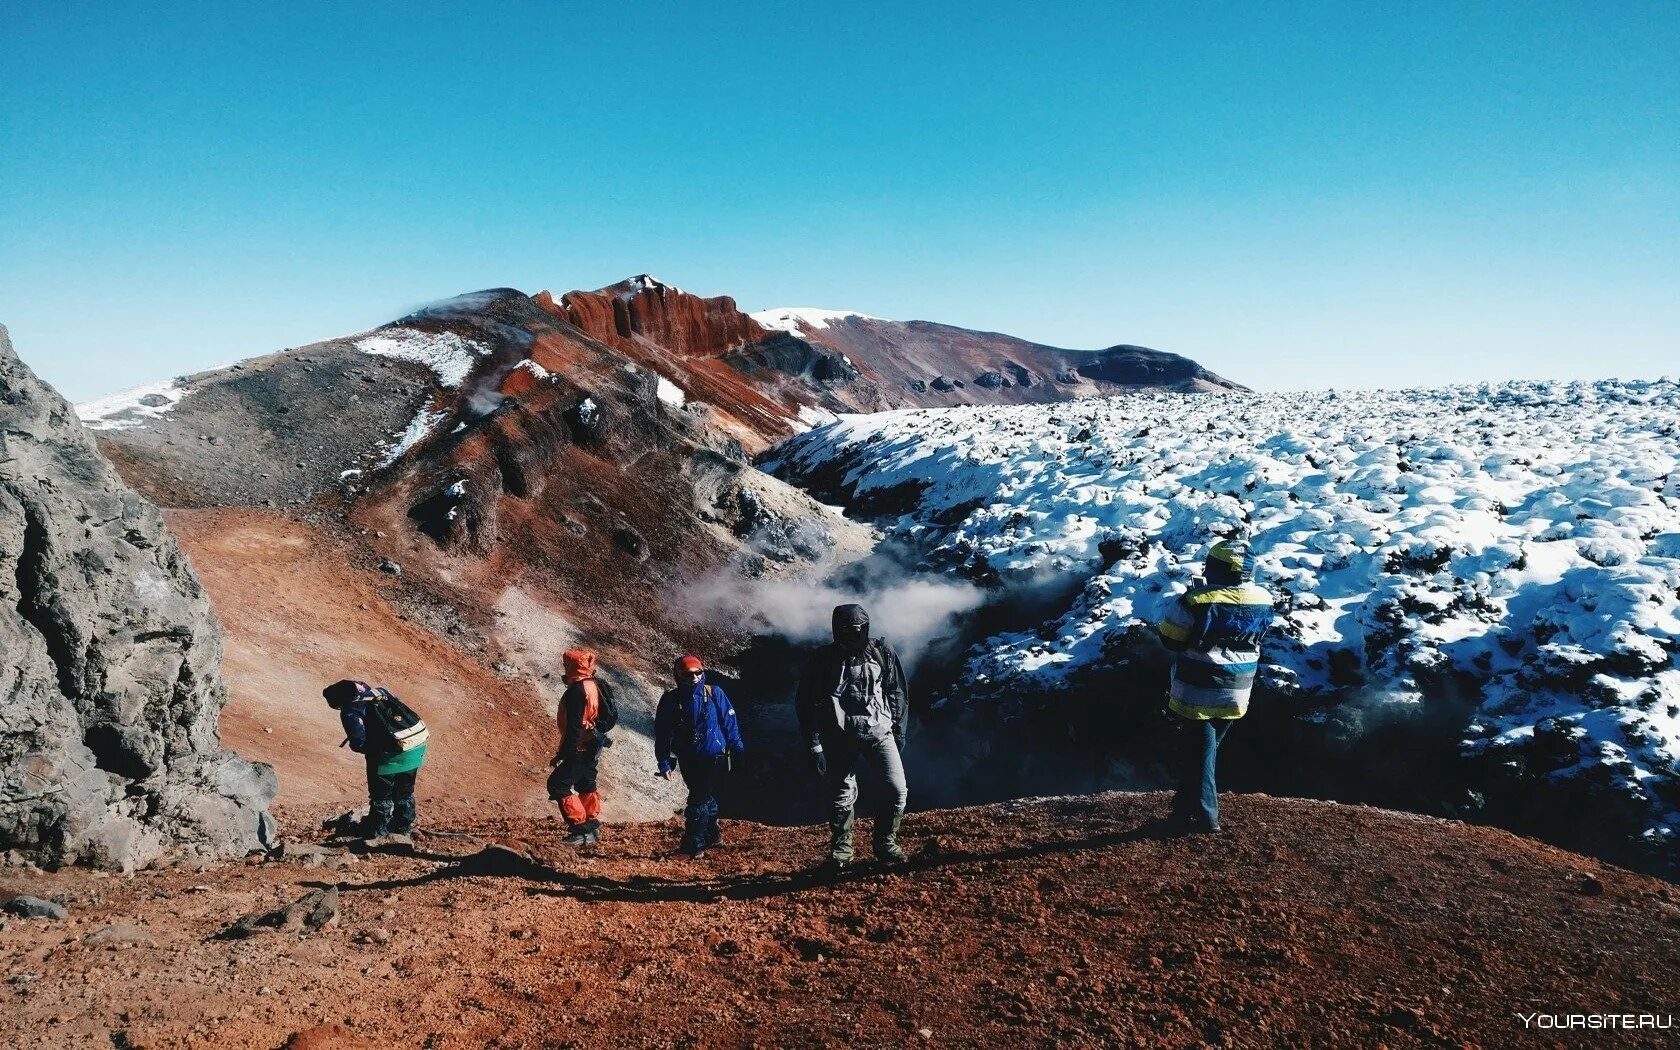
(393, 740)
(1214, 631)
(587, 712)
(695, 731)
(854, 709)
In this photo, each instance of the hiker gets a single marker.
(1214, 631)
(587, 712)
(393, 739)
(854, 708)
(695, 731)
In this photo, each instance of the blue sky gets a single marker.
(1296, 195)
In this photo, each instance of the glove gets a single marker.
(556, 760)
(819, 762)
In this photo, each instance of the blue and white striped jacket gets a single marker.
(1215, 630)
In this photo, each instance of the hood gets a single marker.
(579, 664)
(851, 628)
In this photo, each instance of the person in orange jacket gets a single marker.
(587, 712)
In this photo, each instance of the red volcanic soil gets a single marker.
(1059, 922)
(297, 616)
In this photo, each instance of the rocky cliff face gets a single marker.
(110, 686)
(647, 308)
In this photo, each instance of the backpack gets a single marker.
(396, 722)
(606, 710)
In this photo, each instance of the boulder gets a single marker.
(111, 690)
(33, 908)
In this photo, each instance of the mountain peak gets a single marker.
(793, 318)
(643, 282)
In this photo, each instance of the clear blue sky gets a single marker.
(1297, 195)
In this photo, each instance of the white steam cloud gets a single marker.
(913, 613)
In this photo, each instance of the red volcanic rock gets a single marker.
(644, 307)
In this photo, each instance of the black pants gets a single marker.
(575, 773)
(700, 817)
(390, 801)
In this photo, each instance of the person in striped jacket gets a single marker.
(1214, 631)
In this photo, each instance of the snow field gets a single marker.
(1520, 539)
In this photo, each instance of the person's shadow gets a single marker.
(494, 861)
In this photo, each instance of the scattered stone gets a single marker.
(34, 908)
(1588, 886)
(122, 935)
(313, 911)
(389, 566)
(309, 854)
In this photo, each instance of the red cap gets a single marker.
(691, 663)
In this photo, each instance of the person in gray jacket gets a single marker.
(854, 708)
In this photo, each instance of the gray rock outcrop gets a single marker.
(110, 662)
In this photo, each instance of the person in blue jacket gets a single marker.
(695, 731)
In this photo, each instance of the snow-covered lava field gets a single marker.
(1513, 547)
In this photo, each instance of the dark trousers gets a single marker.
(1197, 800)
(390, 801)
(573, 785)
(700, 816)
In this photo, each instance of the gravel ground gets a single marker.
(1061, 922)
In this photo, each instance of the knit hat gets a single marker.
(1229, 558)
(344, 692)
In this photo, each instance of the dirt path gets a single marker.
(1053, 923)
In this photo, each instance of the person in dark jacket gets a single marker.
(576, 765)
(854, 708)
(390, 771)
(1214, 631)
(695, 731)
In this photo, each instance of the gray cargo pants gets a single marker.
(845, 756)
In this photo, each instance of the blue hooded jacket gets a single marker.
(697, 722)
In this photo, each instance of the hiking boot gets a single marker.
(578, 837)
(886, 838)
(697, 853)
(891, 852)
(400, 840)
(840, 837)
(592, 837)
(834, 866)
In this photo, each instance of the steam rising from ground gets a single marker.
(912, 612)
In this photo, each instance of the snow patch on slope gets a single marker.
(792, 318)
(445, 353)
(419, 429)
(671, 393)
(1523, 538)
(131, 408)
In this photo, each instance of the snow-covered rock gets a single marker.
(1520, 540)
(804, 318)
